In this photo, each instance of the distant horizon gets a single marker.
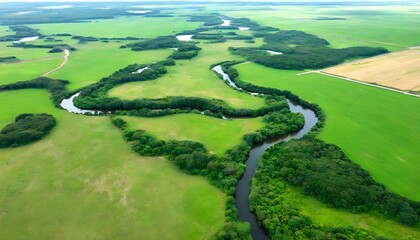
(168, 1)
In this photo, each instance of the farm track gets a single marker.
(66, 58)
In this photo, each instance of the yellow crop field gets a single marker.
(399, 70)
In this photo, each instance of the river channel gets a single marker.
(243, 187)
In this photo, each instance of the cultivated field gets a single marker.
(376, 128)
(399, 70)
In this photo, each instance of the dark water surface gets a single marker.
(243, 187)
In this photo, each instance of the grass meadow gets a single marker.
(22, 71)
(217, 135)
(399, 32)
(96, 60)
(321, 214)
(192, 78)
(83, 182)
(135, 26)
(376, 128)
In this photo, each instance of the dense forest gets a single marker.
(27, 128)
(8, 59)
(323, 171)
(20, 32)
(300, 50)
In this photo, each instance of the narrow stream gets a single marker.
(243, 187)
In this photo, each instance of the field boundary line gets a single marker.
(66, 58)
(365, 83)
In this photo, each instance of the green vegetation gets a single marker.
(26, 128)
(323, 171)
(134, 26)
(192, 78)
(26, 70)
(308, 51)
(320, 213)
(377, 21)
(303, 216)
(82, 181)
(217, 135)
(20, 32)
(9, 59)
(104, 186)
(97, 60)
(56, 88)
(387, 148)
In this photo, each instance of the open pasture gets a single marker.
(399, 70)
(96, 60)
(376, 128)
(192, 78)
(217, 135)
(399, 32)
(134, 26)
(26, 70)
(83, 181)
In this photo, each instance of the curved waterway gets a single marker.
(68, 105)
(243, 187)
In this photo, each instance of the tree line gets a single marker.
(57, 88)
(27, 128)
(326, 173)
(301, 51)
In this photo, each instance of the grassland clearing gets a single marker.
(399, 70)
(217, 135)
(135, 26)
(192, 78)
(25, 53)
(21, 71)
(400, 21)
(320, 213)
(96, 60)
(89, 184)
(4, 31)
(376, 128)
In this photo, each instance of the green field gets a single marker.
(217, 135)
(136, 26)
(3, 31)
(96, 60)
(26, 53)
(83, 182)
(323, 215)
(34, 62)
(20, 71)
(376, 128)
(193, 78)
(378, 23)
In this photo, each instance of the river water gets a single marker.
(244, 185)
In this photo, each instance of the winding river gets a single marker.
(244, 185)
